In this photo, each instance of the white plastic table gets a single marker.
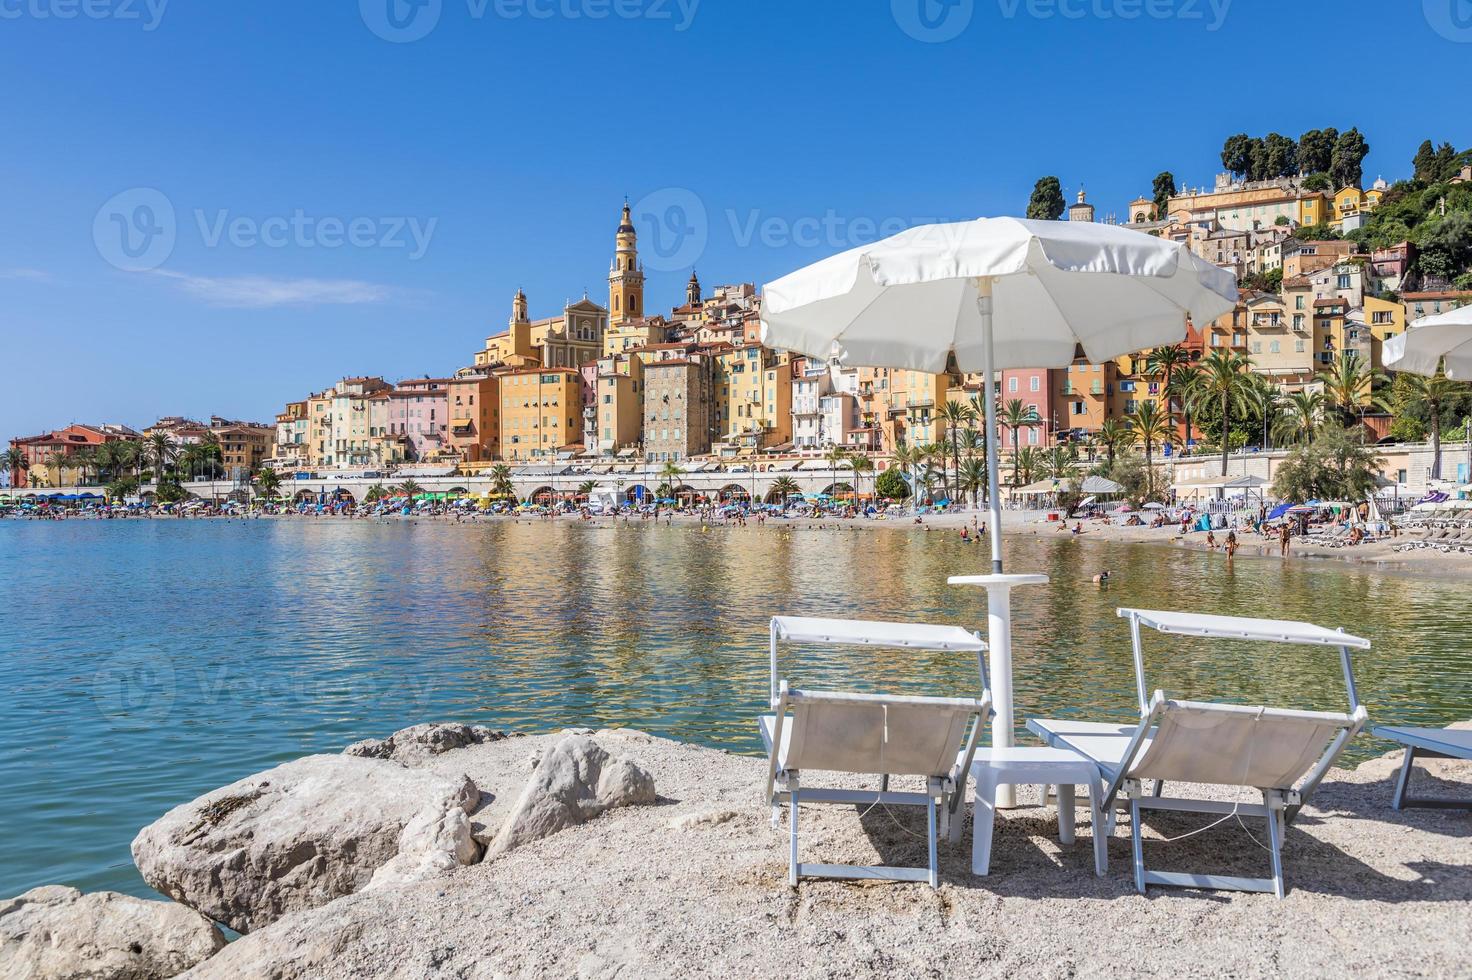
(1012, 766)
(999, 639)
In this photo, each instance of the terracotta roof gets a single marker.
(1334, 301)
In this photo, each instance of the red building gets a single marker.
(42, 451)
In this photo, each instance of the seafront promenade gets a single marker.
(1405, 465)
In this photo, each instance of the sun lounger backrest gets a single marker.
(897, 736)
(1269, 748)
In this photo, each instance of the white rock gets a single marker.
(692, 820)
(435, 842)
(573, 782)
(294, 837)
(57, 932)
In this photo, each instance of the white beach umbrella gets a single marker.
(1421, 349)
(995, 293)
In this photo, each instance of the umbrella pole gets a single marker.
(989, 403)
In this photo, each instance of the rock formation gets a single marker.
(56, 932)
(302, 834)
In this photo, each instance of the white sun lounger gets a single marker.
(872, 734)
(1427, 743)
(1282, 753)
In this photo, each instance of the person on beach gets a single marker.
(1210, 540)
(1283, 540)
(1231, 545)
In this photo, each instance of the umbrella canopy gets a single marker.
(1421, 348)
(1101, 484)
(995, 293)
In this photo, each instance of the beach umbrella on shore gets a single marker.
(992, 294)
(988, 295)
(1431, 340)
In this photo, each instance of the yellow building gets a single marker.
(1314, 209)
(752, 396)
(567, 341)
(540, 412)
(1351, 204)
(1384, 319)
(1279, 350)
(628, 335)
(618, 405)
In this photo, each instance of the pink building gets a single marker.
(418, 413)
(1030, 386)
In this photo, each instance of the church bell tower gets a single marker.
(626, 275)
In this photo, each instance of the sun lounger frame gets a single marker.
(1423, 743)
(1279, 804)
(942, 797)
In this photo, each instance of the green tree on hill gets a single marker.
(1046, 203)
(1347, 164)
(1237, 155)
(1165, 189)
(1316, 151)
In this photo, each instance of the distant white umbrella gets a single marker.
(1420, 349)
(995, 293)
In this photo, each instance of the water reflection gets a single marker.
(146, 663)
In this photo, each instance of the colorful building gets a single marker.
(541, 412)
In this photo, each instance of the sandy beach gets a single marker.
(695, 885)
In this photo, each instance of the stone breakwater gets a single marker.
(453, 851)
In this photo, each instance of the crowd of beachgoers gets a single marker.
(1429, 540)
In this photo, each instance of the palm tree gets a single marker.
(1224, 379)
(1185, 387)
(1264, 397)
(1060, 464)
(85, 459)
(1432, 394)
(1348, 384)
(1163, 362)
(956, 416)
(784, 487)
(586, 488)
(375, 493)
(409, 489)
(1149, 425)
(1305, 412)
(972, 477)
(833, 456)
(161, 453)
(861, 465)
(501, 486)
(58, 462)
(1026, 462)
(1017, 415)
(269, 481)
(1113, 435)
(16, 462)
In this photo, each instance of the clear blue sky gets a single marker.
(511, 132)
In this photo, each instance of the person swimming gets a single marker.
(1102, 578)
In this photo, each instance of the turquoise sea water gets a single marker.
(143, 663)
